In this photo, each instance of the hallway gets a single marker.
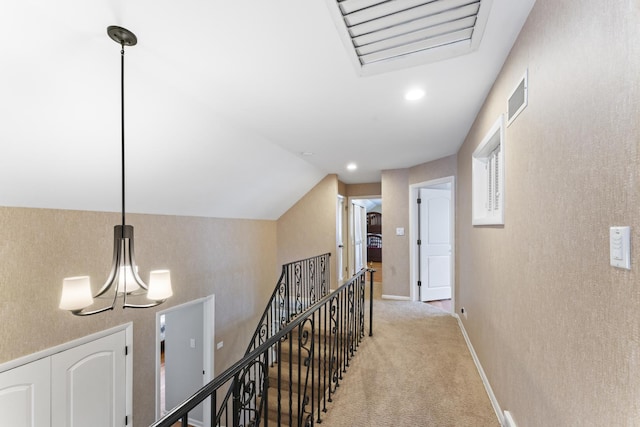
(415, 370)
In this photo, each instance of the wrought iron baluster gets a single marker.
(279, 415)
(306, 353)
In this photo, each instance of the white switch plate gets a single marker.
(620, 247)
(400, 231)
(220, 344)
(192, 342)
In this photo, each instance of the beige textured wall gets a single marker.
(308, 228)
(436, 169)
(395, 249)
(342, 188)
(555, 327)
(395, 213)
(369, 189)
(233, 259)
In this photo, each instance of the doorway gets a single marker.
(341, 227)
(365, 235)
(432, 218)
(184, 356)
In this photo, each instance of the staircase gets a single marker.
(300, 377)
(296, 359)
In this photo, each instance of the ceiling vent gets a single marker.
(393, 34)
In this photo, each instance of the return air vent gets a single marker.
(518, 99)
(386, 35)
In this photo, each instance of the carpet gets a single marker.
(415, 370)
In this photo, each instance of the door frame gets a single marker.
(351, 249)
(414, 191)
(208, 306)
(342, 260)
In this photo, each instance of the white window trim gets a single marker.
(488, 186)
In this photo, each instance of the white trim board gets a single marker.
(483, 376)
(396, 297)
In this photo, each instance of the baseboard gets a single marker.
(485, 381)
(396, 297)
(508, 420)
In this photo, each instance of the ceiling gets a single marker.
(222, 99)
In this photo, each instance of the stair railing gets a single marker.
(301, 284)
(289, 376)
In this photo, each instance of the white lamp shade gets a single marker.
(159, 285)
(76, 293)
(126, 280)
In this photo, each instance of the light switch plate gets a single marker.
(400, 231)
(620, 247)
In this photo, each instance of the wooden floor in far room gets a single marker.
(377, 266)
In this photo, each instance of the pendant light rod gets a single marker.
(123, 37)
(122, 130)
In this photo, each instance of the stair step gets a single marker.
(286, 375)
(284, 405)
(296, 355)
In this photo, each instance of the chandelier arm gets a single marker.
(153, 304)
(112, 276)
(117, 245)
(89, 313)
(132, 260)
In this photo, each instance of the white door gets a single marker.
(184, 358)
(340, 252)
(359, 236)
(88, 384)
(25, 395)
(435, 251)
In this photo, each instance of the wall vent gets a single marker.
(387, 35)
(518, 99)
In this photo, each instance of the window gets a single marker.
(488, 177)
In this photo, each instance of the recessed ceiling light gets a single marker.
(414, 94)
(352, 166)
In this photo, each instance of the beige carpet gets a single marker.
(416, 370)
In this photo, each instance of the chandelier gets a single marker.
(123, 281)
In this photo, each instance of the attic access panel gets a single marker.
(386, 35)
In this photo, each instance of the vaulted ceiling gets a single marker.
(233, 109)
